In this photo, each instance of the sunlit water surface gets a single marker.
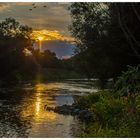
(23, 114)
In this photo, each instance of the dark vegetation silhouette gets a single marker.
(107, 41)
(20, 61)
(14, 38)
(107, 38)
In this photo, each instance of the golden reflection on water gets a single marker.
(42, 123)
(33, 107)
(38, 102)
(38, 89)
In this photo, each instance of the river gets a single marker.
(23, 114)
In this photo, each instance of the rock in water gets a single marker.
(83, 114)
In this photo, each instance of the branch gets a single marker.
(135, 11)
(126, 34)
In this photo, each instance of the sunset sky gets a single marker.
(50, 20)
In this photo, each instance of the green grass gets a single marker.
(114, 116)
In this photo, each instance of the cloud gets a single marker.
(51, 35)
(4, 6)
(55, 16)
(21, 3)
(66, 57)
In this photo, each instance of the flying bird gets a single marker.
(34, 6)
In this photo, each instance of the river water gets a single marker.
(23, 114)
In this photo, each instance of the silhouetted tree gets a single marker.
(14, 38)
(90, 23)
(107, 37)
(47, 59)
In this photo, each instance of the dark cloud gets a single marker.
(54, 16)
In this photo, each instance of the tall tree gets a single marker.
(107, 37)
(124, 36)
(90, 22)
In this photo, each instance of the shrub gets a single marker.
(109, 111)
(87, 101)
(116, 115)
(128, 81)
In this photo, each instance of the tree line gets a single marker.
(19, 60)
(107, 38)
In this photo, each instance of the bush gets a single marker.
(116, 115)
(113, 116)
(109, 111)
(129, 81)
(87, 101)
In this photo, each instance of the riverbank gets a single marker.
(105, 114)
(82, 113)
(23, 114)
(114, 116)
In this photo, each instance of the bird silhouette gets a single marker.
(34, 6)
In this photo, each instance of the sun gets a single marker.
(40, 38)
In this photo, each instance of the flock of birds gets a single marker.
(34, 6)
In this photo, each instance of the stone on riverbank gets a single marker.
(83, 114)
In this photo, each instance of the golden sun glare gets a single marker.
(40, 38)
(43, 35)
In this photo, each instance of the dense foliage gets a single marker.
(106, 36)
(116, 112)
(113, 116)
(129, 82)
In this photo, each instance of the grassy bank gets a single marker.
(114, 116)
